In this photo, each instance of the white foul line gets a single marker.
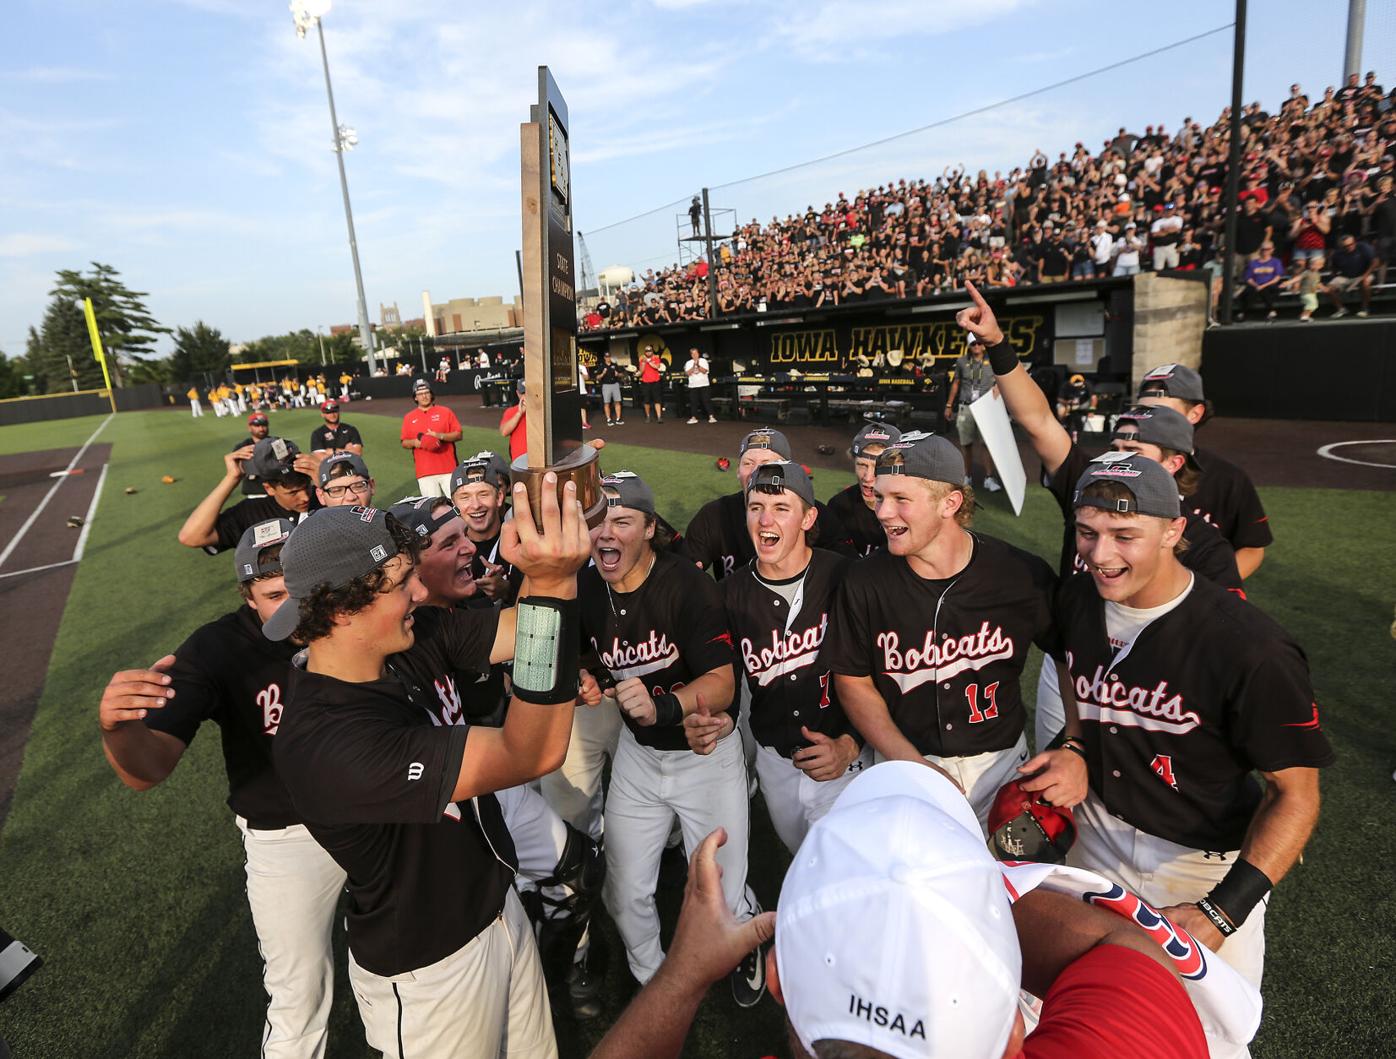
(34, 515)
(1327, 452)
(87, 522)
(38, 569)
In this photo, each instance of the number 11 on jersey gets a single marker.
(991, 706)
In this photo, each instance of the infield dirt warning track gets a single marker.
(39, 554)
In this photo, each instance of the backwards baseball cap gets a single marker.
(1152, 490)
(415, 512)
(883, 434)
(420, 384)
(257, 419)
(922, 455)
(1157, 425)
(766, 439)
(329, 406)
(273, 458)
(248, 563)
(1172, 380)
(352, 460)
(933, 968)
(782, 476)
(484, 466)
(628, 489)
(329, 550)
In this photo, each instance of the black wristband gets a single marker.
(1244, 887)
(1217, 917)
(546, 635)
(1074, 747)
(1003, 358)
(668, 710)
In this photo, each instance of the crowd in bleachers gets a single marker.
(1315, 172)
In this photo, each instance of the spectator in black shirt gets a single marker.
(1252, 229)
(1353, 266)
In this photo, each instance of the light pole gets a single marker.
(307, 13)
(319, 334)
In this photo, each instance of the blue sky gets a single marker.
(186, 142)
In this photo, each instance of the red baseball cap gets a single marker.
(329, 406)
(1023, 828)
(259, 418)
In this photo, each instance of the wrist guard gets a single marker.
(1002, 357)
(668, 711)
(1244, 887)
(546, 650)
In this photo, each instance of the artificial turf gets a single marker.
(136, 901)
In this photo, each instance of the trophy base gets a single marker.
(581, 466)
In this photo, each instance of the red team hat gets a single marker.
(1023, 828)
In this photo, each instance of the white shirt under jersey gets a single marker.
(1124, 624)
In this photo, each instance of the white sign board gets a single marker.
(991, 416)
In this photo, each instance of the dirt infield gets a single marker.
(1275, 452)
(34, 583)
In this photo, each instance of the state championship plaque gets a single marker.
(552, 394)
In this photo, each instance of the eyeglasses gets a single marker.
(334, 492)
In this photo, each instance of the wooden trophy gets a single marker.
(552, 394)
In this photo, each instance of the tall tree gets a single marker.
(59, 353)
(303, 346)
(128, 330)
(198, 350)
(12, 372)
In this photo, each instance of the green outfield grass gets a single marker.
(136, 901)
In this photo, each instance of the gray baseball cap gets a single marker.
(1151, 488)
(329, 550)
(1173, 380)
(923, 455)
(415, 512)
(766, 439)
(883, 434)
(782, 476)
(420, 384)
(248, 563)
(628, 489)
(1157, 425)
(272, 458)
(354, 461)
(484, 466)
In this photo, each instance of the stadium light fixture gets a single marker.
(305, 14)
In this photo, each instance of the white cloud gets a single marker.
(23, 244)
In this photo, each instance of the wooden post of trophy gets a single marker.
(552, 393)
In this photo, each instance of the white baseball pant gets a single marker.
(293, 888)
(793, 800)
(1164, 873)
(981, 775)
(538, 832)
(484, 1001)
(648, 788)
(574, 790)
(1049, 715)
(435, 485)
(196, 409)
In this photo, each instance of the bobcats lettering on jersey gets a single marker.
(794, 650)
(952, 656)
(269, 702)
(638, 659)
(1113, 701)
(446, 692)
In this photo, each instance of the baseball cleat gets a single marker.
(749, 978)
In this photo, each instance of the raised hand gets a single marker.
(979, 319)
(132, 693)
(550, 558)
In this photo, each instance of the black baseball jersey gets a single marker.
(371, 768)
(251, 484)
(487, 551)
(857, 518)
(718, 538)
(1175, 723)
(333, 438)
(670, 630)
(227, 672)
(1226, 498)
(234, 521)
(946, 655)
(1207, 552)
(778, 647)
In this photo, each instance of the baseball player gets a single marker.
(565, 864)
(479, 489)
(717, 538)
(335, 436)
(657, 626)
(1183, 692)
(856, 506)
(1225, 495)
(287, 476)
(344, 481)
(442, 958)
(258, 427)
(928, 638)
(196, 408)
(1157, 433)
(431, 431)
(778, 611)
(227, 672)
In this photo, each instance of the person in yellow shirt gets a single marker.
(196, 407)
(345, 379)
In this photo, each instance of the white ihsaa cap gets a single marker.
(894, 928)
